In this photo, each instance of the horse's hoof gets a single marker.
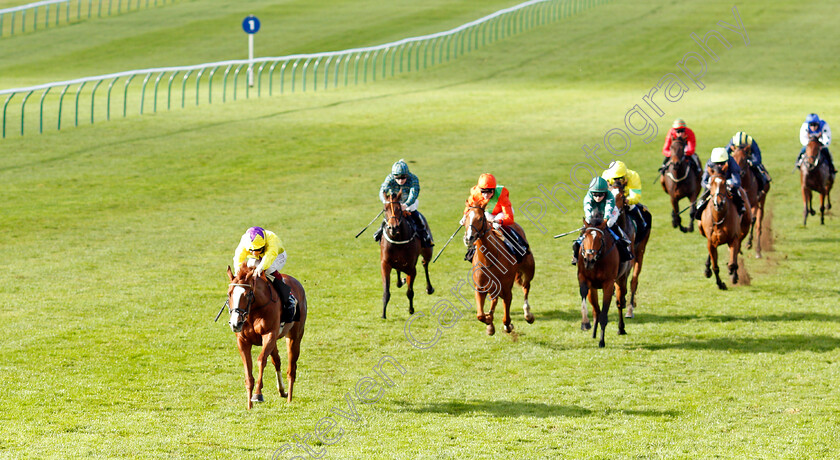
(491, 329)
(410, 310)
(585, 326)
(722, 286)
(257, 398)
(629, 314)
(622, 332)
(757, 255)
(708, 273)
(283, 394)
(430, 290)
(383, 317)
(601, 344)
(508, 328)
(812, 212)
(529, 318)
(749, 245)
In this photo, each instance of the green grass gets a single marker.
(116, 237)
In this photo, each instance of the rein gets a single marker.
(484, 228)
(250, 296)
(600, 251)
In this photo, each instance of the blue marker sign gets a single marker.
(251, 25)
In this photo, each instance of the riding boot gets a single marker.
(422, 229)
(697, 166)
(377, 235)
(764, 173)
(623, 243)
(664, 165)
(829, 160)
(470, 253)
(799, 158)
(575, 251)
(738, 201)
(286, 298)
(700, 204)
(759, 177)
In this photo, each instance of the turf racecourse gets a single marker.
(116, 237)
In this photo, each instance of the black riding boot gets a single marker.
(829, 160)
(422, 230)
(377, 235)
(286, 298)
(697, 166)
(759, 177)
(664, 164)
(470, 253)
(575, 252)
(738, 201)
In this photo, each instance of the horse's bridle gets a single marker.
(250, 296)
(483, 230)
(717, 193)
(396, 207)
(596, 253)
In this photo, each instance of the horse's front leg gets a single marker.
(596, 310)
(245, 353)
(585, 325)
(734, 249)
(759, 216)
(427, 256)
(806, 199)
(269, 345)
(480, 297)
(386, 286)
(676, 221)
(293, 349)
(713, 255)
(603, 317)
(822, 208)
(409, 292)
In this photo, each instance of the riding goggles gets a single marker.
(487, 190)
(400, 177)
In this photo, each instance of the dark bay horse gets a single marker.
(756, 196)
(680, 180)
(815, 176)
(720, 225)
(255, 318)
(399, 249)
(494, 268)
(633, 268)
(598, 267)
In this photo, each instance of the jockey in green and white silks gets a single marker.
(402, 180)
(599, 199)
(267, 250)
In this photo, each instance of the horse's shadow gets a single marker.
(517, 408)
(781, 344)
(643, 318)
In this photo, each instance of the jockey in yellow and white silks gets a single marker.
(267, 249)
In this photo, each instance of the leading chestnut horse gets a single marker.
(598, 268)
(720, 225)
(756, 196)
(494, 268)
(255, 308)
(399, 249)
(680, 180)
(815, 176)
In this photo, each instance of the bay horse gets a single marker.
(815, 176)
(399, 249)
(680, 180)
(598, 268)
(255, 309)
(633, 268)
(494, 268)
(720, 225)
(756, 196)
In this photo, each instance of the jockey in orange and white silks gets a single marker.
(497, 209)
(267, 250)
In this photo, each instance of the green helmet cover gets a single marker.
(400, 168)
(598, 184)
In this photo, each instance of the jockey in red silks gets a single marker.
(498, 209)
(679, 130)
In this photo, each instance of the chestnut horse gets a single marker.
(255, 308)
(720, 225)
(494, 268)
(757, 197)
(815, 176)
(598, 268)
(637, 247)
(680, 180)
(399, 249)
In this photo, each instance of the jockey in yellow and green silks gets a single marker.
(267, 250)
(618, 174)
